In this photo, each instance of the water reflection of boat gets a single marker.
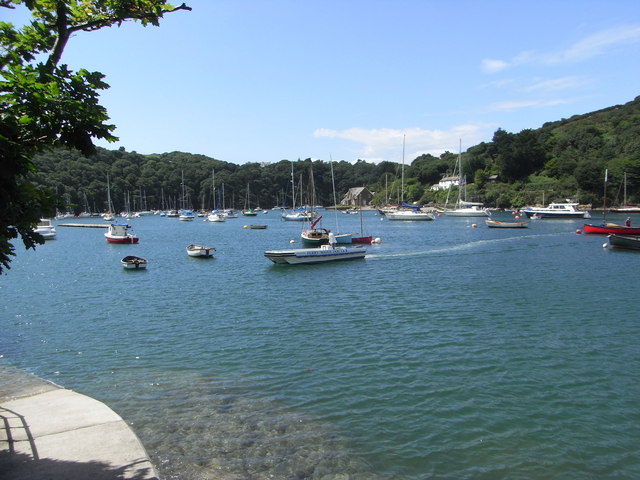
(324, 254)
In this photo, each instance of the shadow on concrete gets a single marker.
(19, 466)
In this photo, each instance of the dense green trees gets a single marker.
(564, 159)
(44, 104)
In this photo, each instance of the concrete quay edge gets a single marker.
(54, 433)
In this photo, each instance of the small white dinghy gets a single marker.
(132, 262)
(203, 251)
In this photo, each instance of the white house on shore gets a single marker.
(447, 182)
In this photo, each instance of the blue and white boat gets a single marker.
(556, 210)
(186, 215)
(305, 256)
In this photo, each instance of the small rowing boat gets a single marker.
(497, 224)
(132, 262)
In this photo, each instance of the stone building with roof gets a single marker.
(357, 197)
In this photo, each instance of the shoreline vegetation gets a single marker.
(561, 160)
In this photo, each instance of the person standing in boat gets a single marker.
(627, 222)
(332, 240)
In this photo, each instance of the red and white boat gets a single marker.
(119, 233)
(609, 228)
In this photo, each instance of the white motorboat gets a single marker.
(302, 216)
(556, 210)
(46, 229)
(216, 216)
(409, 215)
(195, 250)
(119, 233)
(305, 256)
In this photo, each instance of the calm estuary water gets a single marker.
(450, 352)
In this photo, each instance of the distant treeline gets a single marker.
(563, 159)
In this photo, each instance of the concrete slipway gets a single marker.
(48, 432)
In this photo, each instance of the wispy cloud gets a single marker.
(591, 46)
(490, 65)
(555, 84)
(376, 145)
(511, 105)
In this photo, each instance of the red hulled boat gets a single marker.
(119, 233)
(609, 228)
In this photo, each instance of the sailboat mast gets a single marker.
(402, 175)
(335, 201)
(293, 189)
(213, 187)
(604, 197)
(460, 176)
(109, 195)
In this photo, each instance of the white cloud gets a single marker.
(511, 105)
(493, 66)
(591, 46)
(597, 44)
(376, 145)
(556, 84)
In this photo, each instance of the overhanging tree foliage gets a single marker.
(44, 104)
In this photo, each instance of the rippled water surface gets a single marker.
(449, 352)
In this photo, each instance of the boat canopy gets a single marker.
(408, 205)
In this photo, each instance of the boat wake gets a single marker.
(467, 246)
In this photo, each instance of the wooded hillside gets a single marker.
(562, 159)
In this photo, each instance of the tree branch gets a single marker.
(108, 21)
(63, 33)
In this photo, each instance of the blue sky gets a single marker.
(263, 81)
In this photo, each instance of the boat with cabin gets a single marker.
(46, 229)
(119, 233)
(315, 236)
(410, 214)
(566, 210)
(306, 256)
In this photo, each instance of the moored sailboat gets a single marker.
(608, 227)
(464, 208)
